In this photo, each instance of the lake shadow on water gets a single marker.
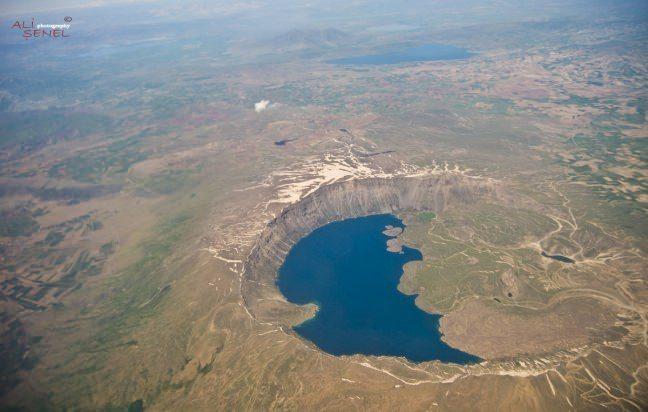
(345, 269)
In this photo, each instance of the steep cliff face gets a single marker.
(342, 201)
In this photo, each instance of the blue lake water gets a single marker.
(428, 52)
(345, 269)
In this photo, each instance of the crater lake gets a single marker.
(345, 269)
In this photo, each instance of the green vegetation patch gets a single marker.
(140, 286)
(167, 182)
(34, 129)
(17, 222)
(499, 225)
(54, 237)
(426, 216)
(91, 167)
(466, 251)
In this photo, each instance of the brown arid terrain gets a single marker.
(152, 183)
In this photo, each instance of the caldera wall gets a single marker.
(340, 201)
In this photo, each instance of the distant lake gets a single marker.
(423, 53)
(345, 269)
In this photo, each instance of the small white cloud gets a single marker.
(261, 106)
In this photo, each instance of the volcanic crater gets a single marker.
(339, 201)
